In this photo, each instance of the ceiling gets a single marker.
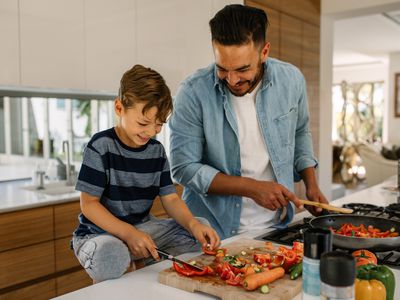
(366, 39)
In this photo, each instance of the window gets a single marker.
(37, 125)
(357, 112)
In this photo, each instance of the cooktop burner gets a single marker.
(295, 231)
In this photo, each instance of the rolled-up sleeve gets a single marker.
(187, 143)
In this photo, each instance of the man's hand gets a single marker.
(141, 244)
(272, 195)
(205, 234)
(314, 194)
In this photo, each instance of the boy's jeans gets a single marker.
(104, 256)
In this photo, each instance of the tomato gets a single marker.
(364, 257)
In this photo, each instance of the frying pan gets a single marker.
(349, 242)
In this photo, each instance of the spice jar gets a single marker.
(316, 242)
(338, 273)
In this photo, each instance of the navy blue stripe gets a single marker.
(135, 218)
(117, 162)
(92, 176)
(121, 193)
(165, 179)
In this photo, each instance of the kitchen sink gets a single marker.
(53, 188)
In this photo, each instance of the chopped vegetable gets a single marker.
(349, 229)
(264, 289)
(296, 271)
(253, 281)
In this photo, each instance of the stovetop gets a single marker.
(295, 231)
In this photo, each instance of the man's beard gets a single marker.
(251, 83)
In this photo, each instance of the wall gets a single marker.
(393, 123)
(88, 44)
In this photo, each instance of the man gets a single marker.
(239, 132)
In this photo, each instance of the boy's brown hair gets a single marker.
(141, 84)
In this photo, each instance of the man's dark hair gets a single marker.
(237, 25)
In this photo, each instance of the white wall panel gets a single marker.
(9, 47)
(110, 42)
(52, 43)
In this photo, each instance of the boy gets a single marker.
(123, 170)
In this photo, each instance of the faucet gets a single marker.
(68, 164)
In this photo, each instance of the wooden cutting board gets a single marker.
(282, 289)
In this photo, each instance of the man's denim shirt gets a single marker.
(204, 139)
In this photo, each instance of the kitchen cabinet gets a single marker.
(35, 256)
(9, 58)
(52, 46)
(110, 42)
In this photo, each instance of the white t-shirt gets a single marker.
(254, 160)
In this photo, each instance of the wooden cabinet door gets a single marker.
(273, 28)
(66, 219)
(26, 263)
(39, 291)
(72, 282)
(26, 227)
(291, 40)
(65, 257)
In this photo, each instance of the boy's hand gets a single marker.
(141, 244)
(205, 234)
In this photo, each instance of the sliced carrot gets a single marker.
(256, 280)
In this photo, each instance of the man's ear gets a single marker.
(265, 51)
(118, 107)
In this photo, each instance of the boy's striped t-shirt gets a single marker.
(125, 179)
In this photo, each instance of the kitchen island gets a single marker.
(143, 284)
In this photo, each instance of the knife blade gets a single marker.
(173, 258)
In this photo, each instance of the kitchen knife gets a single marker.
(171, 257)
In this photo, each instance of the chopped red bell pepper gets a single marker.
(188, 271)
(290, 259)
(262, 258)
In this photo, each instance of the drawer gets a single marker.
(39, 291)
(66, 218)
(65, 257)
(27, 263)
(72, 282)
(26, 227)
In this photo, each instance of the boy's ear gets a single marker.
(118, 107)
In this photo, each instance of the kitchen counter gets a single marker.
(13, 197)
(143, 284)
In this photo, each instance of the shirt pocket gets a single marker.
(286, 127)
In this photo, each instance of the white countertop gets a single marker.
(143, 284)
(13, 197)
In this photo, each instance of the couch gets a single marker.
(376, 166)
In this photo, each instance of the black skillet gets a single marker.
(349, 242)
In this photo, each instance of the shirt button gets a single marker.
(237, 205)
(233, 231)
